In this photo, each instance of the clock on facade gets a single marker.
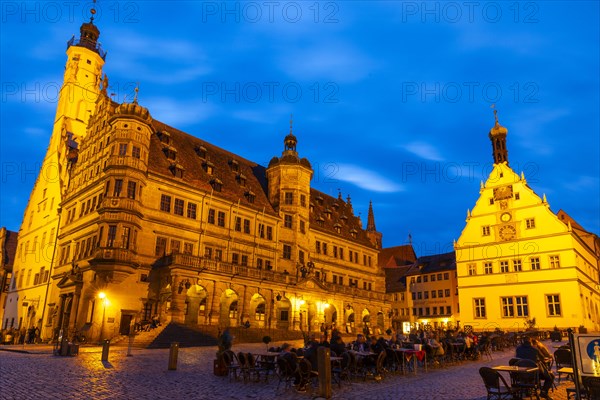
(507, 232)
(505, 217)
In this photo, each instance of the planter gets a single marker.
(555, 336)
(219, 368)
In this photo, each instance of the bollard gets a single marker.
(173, 352)
(324, 365)
(105, 348)
(131, 338)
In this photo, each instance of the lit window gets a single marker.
(287, 221)
(287, 252)
(178, 207)
(191, 211)
(479, 307)
(485, 230)
(122, 149)
(288, 198)
(504, 266)
(488, 268)
(530, 223)
(554, 262)
(165, 203)
(517, 266)
(535, 263)
(472, 269)
(211, 216)
(221, 219)
(553, 304)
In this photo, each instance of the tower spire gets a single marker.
(498, 137)
(371, 219)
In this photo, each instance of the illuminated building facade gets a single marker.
(518, 260)
(163, 223)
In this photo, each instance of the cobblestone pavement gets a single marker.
(40, 375)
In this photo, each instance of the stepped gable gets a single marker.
(189, 156)
(341, 213)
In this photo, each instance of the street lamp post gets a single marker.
(103, 298)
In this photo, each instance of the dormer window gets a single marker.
(338, 228)
(241, 179)
(234, 165)
(177, 170)
(311, 207)
(165, 137)
(319, 200)
(353, 233)
(335, 205)
(320, 221)
(208, 167)
(216, 184)
(328, 213)
(344, 219)
(200, 151)
(170, 152)
(250, 196)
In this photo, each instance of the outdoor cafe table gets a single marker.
(266, 359)
(415, 355)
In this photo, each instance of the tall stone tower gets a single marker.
(27, 298)
(374, 236)
(289, 192)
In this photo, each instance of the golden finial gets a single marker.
(93, 12)
(137, 89)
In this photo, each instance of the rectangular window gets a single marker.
(288, 198)
(269, 233)
(211, 216)
(175, 246)
(284, 315)
(479, 306)
(554, 262)
(302, 227)
(122, 149)
(488, 268)
(118, 187)
(131, 190)
(535, 263)
(426, 295)
(191, 210)
(261, 231)
(503, 266)
(287, 252)
(522, 306)
(301, 257)
(485, 230)
(447, 292)
(446, 276)
(178, 207)
(425, 278)
(419, 295)
(221, 218)
(553, 304)
(433, 294)
(472, 268)
(448, 310)
(165, 203)
(508, 309)
(246, 226)
(235, 258)
(440, 293)
(244, 260)
(341, 253)
(303, 200)
(112, 235)
(517, 266)
(238, 224)
(325, 248)
(125, 238)
(208, 252)
(318, 247)
(188, 248)
(287, 221)
(259, 263)
(218, 254)
(135, 152)
(433, 278)
(161, 246)
(530, 223)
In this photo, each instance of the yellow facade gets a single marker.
(517, 260)
(148, 220)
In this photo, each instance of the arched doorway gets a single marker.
(366, 322)
(349, 320)
(380, 323)
(195, 305)
(330, 315)
(258, 311)
(229, 314)
(283, 316)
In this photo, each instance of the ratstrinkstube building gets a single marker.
(518, 261)
(148, 220)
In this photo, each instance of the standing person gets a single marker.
(529, 352)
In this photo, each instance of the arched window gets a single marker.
(259, 314)
(233, 310)
(202, 308)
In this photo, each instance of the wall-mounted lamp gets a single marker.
(348, 306)
(184, 283)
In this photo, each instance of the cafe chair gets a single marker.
(562, 359)
(495, 385)
(526, 383)
(232, 364)
(285, 373)
(591, 385)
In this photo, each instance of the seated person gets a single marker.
(436, 347)
(529, 352)
(293, 364)
(360, 344)
(338, 346)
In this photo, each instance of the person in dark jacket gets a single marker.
(529, 352)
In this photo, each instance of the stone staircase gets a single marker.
(142, 339)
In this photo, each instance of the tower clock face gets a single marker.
(505, 217)
(507, 232)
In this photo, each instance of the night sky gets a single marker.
(391, 100)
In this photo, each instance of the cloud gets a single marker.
(365, 179)
(178, 113)
(582, 184)
(423, 150)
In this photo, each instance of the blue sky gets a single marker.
(391, 99)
